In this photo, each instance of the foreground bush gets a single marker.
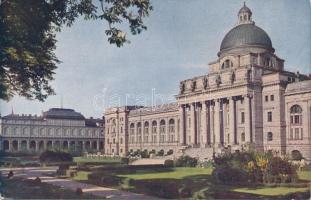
(251, 167)
(55, 156)
(186, 161)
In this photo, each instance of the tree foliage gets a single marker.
(28, 37)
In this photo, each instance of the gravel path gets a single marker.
(46, 175)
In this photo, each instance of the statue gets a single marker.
(205, 83)
(232, 77)
(182, 87)
(218, 80)
(193, 85)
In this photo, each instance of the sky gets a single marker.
(182, 38)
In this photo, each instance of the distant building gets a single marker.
(57, 128)
(246, 98)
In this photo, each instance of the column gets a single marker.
(217, 122)
(193, 124)
(198, 120)
(247, 104)
(36, 145)
(232, 121)
(83, 145)
(204, 123)
(176, 130)
(10, 145)
(182, 125)
(211, 122)
(159, 132)
(19, 148)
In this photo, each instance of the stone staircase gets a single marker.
(201, 153)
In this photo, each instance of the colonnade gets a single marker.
(19, 145)
(207, 121)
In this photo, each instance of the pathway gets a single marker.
(46, 175)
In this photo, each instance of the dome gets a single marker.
(246, 35)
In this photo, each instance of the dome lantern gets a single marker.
(245, 15)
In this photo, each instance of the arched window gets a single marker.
(295, 109)
(162, 126)
(171, 126)
(132, 126)
(296, 128)
(270, 136)
(139, 128)
(243, 137)
(154, 127)
(146, 128)
(226, 64)
(296, 115)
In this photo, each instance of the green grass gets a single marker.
(304, 175)
(177, 173)
(81, 176)
(167, 182)
(271, 191)
(97, 160)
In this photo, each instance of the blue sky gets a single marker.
(182, 37)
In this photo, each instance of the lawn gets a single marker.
(101, 160)
(177, 173)
(189, 182)
(271, 191)
(304, 175)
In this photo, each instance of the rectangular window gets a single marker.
(272, 98)
(291, 119)
(301, 133)
(242, 117)
(291, 134)
(266, 98)
(269, 116)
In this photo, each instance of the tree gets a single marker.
(27, 37)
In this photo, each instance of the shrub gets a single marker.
(170, 152)
(252, 167)
(144, 154)
(296, 155)
(186, 161)
(10, 174)
(160, 153)
(111, 180)
(55, 156)
(37, 180)
(79, 191)
(125, 160)
(168, 163)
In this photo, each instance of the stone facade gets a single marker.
(246, 98)
(56, 129)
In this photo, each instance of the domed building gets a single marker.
(247, 98)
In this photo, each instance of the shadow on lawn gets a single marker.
(195, 186)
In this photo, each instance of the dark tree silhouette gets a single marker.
(27, 37)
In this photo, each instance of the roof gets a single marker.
(62, 113)
(91, 122)
(246, 34)
(298, 87)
